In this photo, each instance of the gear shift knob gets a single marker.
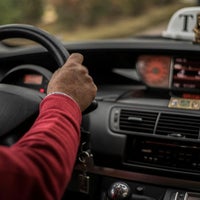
(119, 191)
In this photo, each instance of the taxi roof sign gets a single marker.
(182, 24)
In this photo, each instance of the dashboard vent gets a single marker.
(137, 121)
(183, 126)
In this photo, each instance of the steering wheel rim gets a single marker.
(14, 99)
(51, 43)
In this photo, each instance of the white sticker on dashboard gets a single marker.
(193, 104)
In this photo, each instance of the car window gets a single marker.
(72, 20)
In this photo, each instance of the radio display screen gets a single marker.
(186, 73)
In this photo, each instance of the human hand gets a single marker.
(73, 79)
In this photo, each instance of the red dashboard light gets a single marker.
(42, 90)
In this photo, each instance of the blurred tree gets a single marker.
(198, 2)
(31, 10)
(20, 11)
(98, 11)
(68, 11)
(164, 2)
(72, 13)
(135, 7)
(8, 11)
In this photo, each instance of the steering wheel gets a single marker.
(20, 106)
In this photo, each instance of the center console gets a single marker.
(125, 190)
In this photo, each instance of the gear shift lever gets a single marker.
(119, 191)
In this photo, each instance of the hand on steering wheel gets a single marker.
(14, 99)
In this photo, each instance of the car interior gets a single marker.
(141, 135)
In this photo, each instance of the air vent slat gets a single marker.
(179, 125)
(183, 126)
(181, 120)
(178, 129)
(137, 121)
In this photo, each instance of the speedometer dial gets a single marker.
(154, 70)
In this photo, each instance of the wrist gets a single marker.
(63, 94)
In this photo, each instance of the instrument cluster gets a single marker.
(30, 76)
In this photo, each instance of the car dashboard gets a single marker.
(144, 136)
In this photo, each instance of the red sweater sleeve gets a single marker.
(39, 166)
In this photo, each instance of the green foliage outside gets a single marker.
(92, 12)
(90, 19)
(71, 13)
(21, 11)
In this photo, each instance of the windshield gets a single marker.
(72, 20)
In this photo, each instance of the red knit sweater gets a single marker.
(39, 166)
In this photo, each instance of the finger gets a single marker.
(75, 57)
(84, 69)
